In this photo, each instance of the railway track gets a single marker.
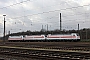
(39, 53)
(53, 45)
(48, 50)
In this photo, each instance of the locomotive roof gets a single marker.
(63, 34)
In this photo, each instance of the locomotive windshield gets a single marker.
(77, 34)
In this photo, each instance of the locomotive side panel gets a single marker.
(15, 38)
(49, 37)
(63, 37)
(34, 38)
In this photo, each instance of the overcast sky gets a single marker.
(23, 15)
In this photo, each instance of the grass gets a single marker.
(84, 40)
(1, 40)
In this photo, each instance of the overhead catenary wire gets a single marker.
(50, 11)
(15, 4)
(20, 3)
(63, 21)
(68, 20)
(45, 12)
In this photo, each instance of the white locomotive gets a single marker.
(49, 37)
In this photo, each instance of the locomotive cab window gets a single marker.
(77, 34)
(73, 35)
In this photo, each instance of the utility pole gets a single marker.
(4, 28)
(8, 32)
(60, 22)
(78, 27)
(86, 34)
(47, 27)
(42, 27)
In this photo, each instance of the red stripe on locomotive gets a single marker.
(15, 39)
(61, 37)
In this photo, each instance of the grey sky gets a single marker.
(32, 14)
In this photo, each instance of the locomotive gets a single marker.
(48, 38)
